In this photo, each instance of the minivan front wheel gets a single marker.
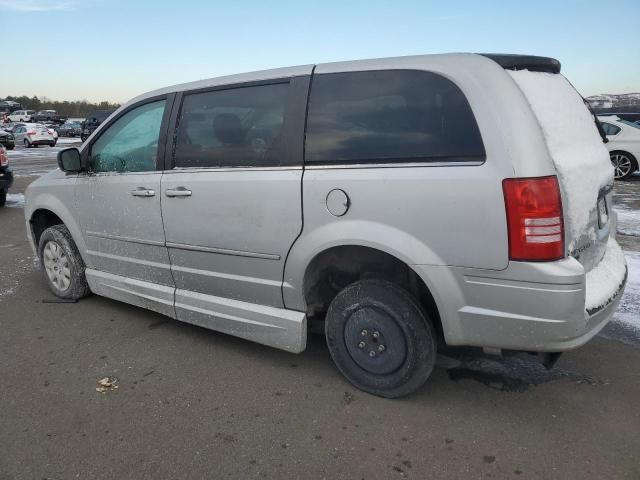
(62, 263)
(623, 164)
(380, 338)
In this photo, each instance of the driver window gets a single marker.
(130, 144)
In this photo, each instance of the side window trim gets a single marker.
(162, 140)
(292, 129)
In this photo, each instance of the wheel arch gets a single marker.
(353, 245)
(47, 211)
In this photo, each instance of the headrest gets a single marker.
(228, 129)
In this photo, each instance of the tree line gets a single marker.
(71, 109)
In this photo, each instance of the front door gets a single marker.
(118, 203)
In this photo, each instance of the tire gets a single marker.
(3, 197)
(62, 264)
(26, 143)
(11, 147)
(52, 144)
(380, 338)
(624, 164)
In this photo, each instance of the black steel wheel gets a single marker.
(380, 338)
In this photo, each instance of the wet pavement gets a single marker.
(192, 403)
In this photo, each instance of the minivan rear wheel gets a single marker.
(380, 338)
(624, 165)
(62, 263)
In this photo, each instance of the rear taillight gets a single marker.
(4, 160)
(534, 218)
(31, 132)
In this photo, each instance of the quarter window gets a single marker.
(610, 129)
(130, 144)
(389, 116)
(232, 128)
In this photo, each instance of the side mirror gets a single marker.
(69, 160)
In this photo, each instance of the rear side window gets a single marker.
(389, 116)
(610, 129)
(232, 128)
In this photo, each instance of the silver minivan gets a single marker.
(405, 204)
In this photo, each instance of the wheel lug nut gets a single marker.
(361, 345)
(376, 334)
(372, 353)
(364, 333)
(381, 348)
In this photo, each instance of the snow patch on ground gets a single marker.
(15, 200)
(580, 157)
(629, 308)
(625, 325)
(604, 279)
(11, 279)
(628, 221)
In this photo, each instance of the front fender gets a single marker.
(59, 201)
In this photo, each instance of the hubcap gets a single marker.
(56, 264)
(621, 164)
(375, 341)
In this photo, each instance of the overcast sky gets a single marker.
(116, 49)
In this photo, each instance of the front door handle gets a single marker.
(178, 192)
(143, 192)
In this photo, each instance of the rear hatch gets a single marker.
(581, 160)
(42, 133)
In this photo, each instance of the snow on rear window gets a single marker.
(580, 157)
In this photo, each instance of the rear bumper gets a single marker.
(6, 179)
(42, 141)
(536, 307)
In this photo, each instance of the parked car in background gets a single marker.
(9, 106)
(391, 258)
(22, 116)
(623, 144)
(6, 177)
(93, 121)
(630, 116)
(7, 140)
(44, 116)
(70, 129)
(33, 135)
(10, 127)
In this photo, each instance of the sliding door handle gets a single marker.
(178, 192)
(143, 192)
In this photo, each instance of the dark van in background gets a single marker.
(93, 120)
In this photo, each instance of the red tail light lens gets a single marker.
(31, 132)
(4, 160)
(534, 218)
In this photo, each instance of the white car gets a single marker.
(21, 115)
(33, 134)
(623, 145)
